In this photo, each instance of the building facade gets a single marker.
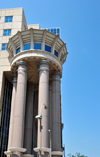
(31, 63)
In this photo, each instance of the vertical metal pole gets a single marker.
(50, 143)
(40, 138)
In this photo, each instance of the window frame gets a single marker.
(3, 48)
(6, 32)
(8, 19)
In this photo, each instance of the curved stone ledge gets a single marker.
(7, 152)
(14, 149)
(43, 149)
(57, 153)
(28, 155)
(37, 55)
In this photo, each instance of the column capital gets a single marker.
(43, 69)
(44, 65)
(22, 65)
(56, 79)
(56, 76)
(54, 73)
(43, 62)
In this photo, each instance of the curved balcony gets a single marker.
(37, 44)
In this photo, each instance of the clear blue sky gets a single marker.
(79, 21)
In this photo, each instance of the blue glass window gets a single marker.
(49, 30)
(4, 46)
(37, 46)
(54, 30)
(0, 18)
(56, 53)
(7, 32)
(18, 50)
(27, 47)
(8, 18)
(47, 48)
(58, 31)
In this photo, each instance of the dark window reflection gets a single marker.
(47, 48)
(5, 117)
(56, 53)
(18, 50)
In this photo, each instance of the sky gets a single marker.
(79, 21)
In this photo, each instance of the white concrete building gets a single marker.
(31, 61)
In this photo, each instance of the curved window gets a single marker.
(56, 53)
(18, 50)
(37, 46)
(47, 48)
(27, 46)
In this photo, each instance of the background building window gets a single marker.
(0, 18)
(27, 46)
(5, 117)
(4, 46)
(18, 50)
(37, 46)
(54, 30)
(47, 48)
(56, 53)
(8, 18)
(7, 32)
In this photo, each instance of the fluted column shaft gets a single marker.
(43, 98)
(12, 110)
(29, 118)
(56, 125)
(19, 113)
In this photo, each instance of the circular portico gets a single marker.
(37, 45)
(38, 57)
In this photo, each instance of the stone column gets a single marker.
(12, 110)
(29, 118)
(36, 103)
(49, 113)
(35, 120)
(43, 98)
(19, 113)
(56, 124)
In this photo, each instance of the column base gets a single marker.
(7, 152)
(57, 153)
(43, 149)
(28, 155)
(17, 149)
